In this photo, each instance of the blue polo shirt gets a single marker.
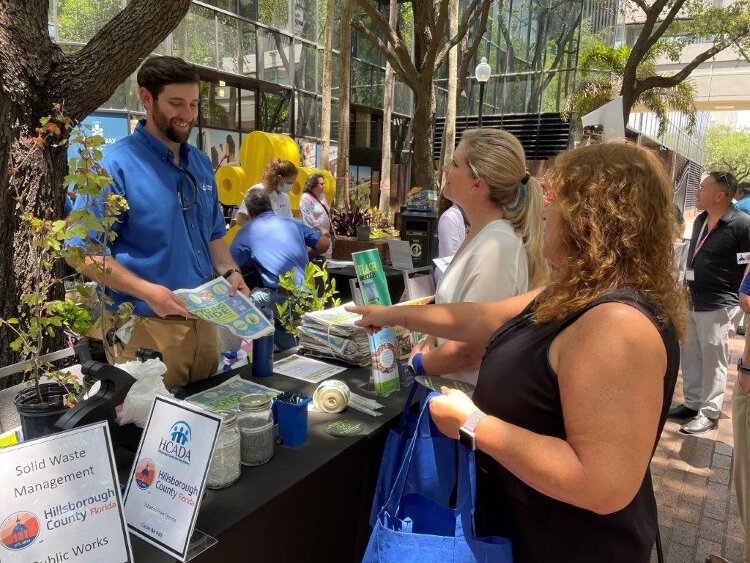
(156, 239)
(276, 245)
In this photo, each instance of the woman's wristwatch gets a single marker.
(466, 433)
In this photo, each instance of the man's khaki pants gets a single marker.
(190, 347)
(741, 432)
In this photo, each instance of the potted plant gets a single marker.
(52, 391)
(317, 292)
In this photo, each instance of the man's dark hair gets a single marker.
(726, 181)
(257, 201)
(743, 188)
(157, 72)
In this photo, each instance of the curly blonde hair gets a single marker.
(275, 168)
(498, 157)
(617, 226)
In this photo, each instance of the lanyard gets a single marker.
(702, 241)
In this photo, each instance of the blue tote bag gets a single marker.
(412, 527)
(433, 466)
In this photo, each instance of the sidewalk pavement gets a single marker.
(692, 474)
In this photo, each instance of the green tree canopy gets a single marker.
(728, 148)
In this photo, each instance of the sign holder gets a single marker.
(168, 478)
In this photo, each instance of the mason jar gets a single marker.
(224, 469)
(255, 422)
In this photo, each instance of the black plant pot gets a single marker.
(38, 419)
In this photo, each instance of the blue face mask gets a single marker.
(285, 188)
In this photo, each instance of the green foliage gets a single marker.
(602, 67)
(42, 317)
(728, 148)
(317, 292)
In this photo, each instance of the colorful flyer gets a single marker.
(212, 302)
(226, 397)
(165, 487)
(60, 500)
(371, 277)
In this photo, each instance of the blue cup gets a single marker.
(263, 352)
(292, 419)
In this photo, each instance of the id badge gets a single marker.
(690, 275)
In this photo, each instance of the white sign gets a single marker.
(166, 483)
(60, 500)
(401, 255)
(743, 257)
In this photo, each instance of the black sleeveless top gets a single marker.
(517, 384)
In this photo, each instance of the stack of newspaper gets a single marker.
(333, 334)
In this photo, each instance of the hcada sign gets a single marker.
(175, 445)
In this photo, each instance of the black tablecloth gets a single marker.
(309, 503)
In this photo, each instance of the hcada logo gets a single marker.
(176, 445)
(145, 472)
(19, 530)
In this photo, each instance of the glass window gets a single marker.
(218, 105)
(362, 83)
(274, 51)
(228, 5)
(305, 12)
(249, 60)
(247, 110)
(305, 66)
(194, 38)
(273, 112)
(79, 21)
(308, 110)
(230, 46)
(274, 13)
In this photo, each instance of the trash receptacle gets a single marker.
(420, 229)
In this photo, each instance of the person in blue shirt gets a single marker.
(171, 235)
(275, 245)
(743, 201)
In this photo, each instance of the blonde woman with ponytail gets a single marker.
(277, 179)
(501, 255)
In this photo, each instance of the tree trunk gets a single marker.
(342, 157)
(423, 169)
(449, 132)
(384, 205)
(35, 74)
(327, 87)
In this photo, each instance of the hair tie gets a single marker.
(525, 178)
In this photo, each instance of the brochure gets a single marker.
(227, 396)
(212, 302)
(306, 369)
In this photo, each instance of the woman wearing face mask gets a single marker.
(277, 179)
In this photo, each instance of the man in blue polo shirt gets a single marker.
(171, 235)
(275, 245)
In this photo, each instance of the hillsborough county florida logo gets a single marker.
(145, 472)
(175, 446)
(19, 530)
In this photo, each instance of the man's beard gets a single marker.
(164, 125)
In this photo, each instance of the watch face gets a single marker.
(466, 437)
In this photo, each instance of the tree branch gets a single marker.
(470, 16)
(400, 52)
(468, 55)
(670, 81)
(86, 79)
(408, 76)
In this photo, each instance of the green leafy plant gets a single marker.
(344, 222)
(316, 292)
(42, 318)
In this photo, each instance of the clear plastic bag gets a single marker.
(149, 384)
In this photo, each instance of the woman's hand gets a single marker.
(374, 317)
(451, 411)
(423, 346)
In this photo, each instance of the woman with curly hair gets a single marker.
(575, 385)
(277, 179)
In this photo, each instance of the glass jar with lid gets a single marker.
(255, 422)
(224, 469)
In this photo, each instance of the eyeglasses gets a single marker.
(187, 202)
